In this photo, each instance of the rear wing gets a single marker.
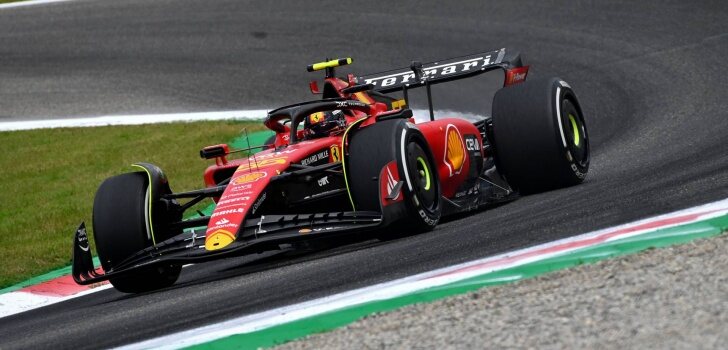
(419, 74)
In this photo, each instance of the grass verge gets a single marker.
(50, 177)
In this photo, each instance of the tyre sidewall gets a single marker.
(529, 139)
(419, 215)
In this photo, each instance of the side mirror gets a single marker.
(313, 85)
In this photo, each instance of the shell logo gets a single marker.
(454, 150)
(254, 164)
(243, 179)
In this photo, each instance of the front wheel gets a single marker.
(540, 137)
(122, 227)
(371, 154)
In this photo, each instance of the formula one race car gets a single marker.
(354, 161)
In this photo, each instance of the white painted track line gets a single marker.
(29, 3)
(249, 114)
(253, 114)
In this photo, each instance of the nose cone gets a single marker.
(218, 240)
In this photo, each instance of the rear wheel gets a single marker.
(540, 137)
(375, 146)
(122, 227)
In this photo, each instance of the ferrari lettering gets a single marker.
(433, 72)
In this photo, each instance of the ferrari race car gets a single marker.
(353, 161)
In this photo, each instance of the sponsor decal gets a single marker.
(426, 218)
(280, 154)
(321, 229)
(219, 239)
(233, 200)
(316, 157)
(245, 192)
(260, 163)
(323, 181)
(471, 143)
(335, 152)
(223, 221)
(83, 239)
(351, 103)
(229, 225)
(516, 75)
(391, 182)
(315, 118)
(250, 177)
(259, 202)
(227, 211)
(576, 171)
(454, 150)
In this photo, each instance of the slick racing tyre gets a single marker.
(373, 147)
(540, 137)
(121, 228)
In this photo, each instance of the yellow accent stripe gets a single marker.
(343, 162)
(151, 227)
(427, 172)
(576, 130)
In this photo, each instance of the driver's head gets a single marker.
(321, 124)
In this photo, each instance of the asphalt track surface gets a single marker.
(651, 79)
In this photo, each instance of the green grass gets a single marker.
(6, 1)
(50, 176)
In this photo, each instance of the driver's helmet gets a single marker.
(321, 124)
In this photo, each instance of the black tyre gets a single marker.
(370, 149)
(540, 137)
(120, 221)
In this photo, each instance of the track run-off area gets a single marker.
(650, 78)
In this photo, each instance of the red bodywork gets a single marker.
(452, 142)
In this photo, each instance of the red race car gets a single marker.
(354, 161)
